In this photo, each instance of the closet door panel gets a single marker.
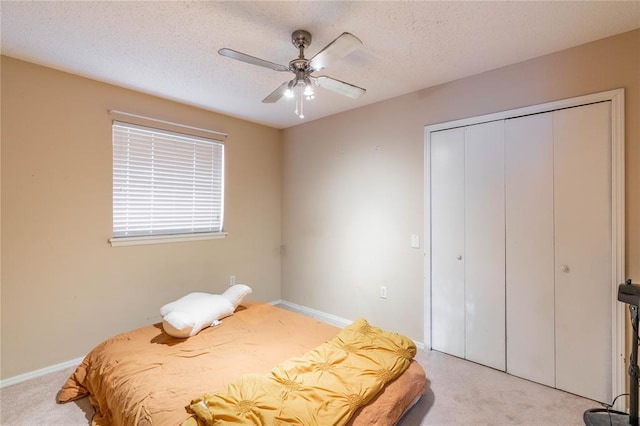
(485, 244)
(583, 250)
(530, 248)
(447, 241)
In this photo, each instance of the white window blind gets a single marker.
(165, 183)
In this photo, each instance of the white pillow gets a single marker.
(188, 315)
(236, 293)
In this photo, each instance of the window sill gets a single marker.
(162, 239)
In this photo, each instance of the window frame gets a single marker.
(216, 170)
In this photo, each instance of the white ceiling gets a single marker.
(169, 49)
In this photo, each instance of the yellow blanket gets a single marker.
(323, 387)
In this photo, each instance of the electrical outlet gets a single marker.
(232, 280)
(383, 292)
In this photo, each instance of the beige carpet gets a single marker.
(458, 393)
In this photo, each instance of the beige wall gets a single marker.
(352, 194)
(353, 182)
(64, 288)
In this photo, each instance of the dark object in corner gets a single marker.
(627, 293)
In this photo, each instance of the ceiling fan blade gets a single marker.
(276, 94)
(339, 87)
(337, 49)
(229, 53)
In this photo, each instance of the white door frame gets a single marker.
(618, 310)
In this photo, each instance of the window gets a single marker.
(165, 184)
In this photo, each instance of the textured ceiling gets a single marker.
(169, 49)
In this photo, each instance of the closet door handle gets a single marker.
(459, 257)
(564, 268)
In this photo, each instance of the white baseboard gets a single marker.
(41, 372)
(325, 317)
(319, 315)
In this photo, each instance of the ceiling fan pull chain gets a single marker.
(298, 104)
(301, 97)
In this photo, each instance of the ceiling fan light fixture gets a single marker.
(289, 91)
(308, 90)
(300, 88)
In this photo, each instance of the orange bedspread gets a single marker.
(146, 377)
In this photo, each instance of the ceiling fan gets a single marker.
(301, 86)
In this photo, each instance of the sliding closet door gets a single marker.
(530, 248)
(583, 250)
(447, 241)
(485, 244)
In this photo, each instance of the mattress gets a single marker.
(146, 377)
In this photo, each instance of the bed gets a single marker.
(146, 377)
